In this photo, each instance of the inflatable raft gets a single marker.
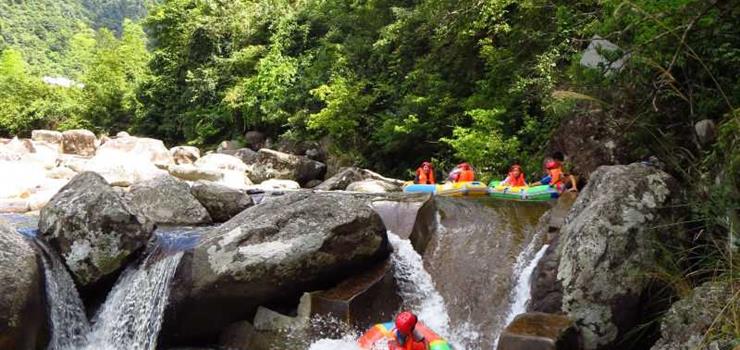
(383, 332)
(452, 189)
(523, 193)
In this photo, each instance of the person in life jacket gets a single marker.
(425, 174)
(515, 177)
(406, 336)
(556, 178)
(462, 173)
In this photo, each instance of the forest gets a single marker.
(382, 84)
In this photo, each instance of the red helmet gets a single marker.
(551, 164)
(405, 322)
(465, 166)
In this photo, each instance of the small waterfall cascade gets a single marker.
(68, 322)
(417, 287)
(131, 316)
(520, 296)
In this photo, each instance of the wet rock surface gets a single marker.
(21, 308)
(607, 250)
(293, 243)
(539, 331)
(93, 228)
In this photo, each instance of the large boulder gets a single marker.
(539, 331)
(278, 165)
(80, 142)
(189, 172)
(122, 169)
(276, 250)
(229, 147)
(167, 200)
(93, 228)
(222, 202)
(279, 185)
(151, 150)
(373, 186)
(21, 310)
(185, 154)
(52, 137)
(232, 168)
(688, 322)
(255, 139)
(608, 250)
(247, 155)
(342, 179)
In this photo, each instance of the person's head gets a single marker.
(515, 170)
(406, 322)
(551, 164)
(464, 166)
(426, 166)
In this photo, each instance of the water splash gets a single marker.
(520, 296)
(417, 287)
(132, 314)
(69, 325)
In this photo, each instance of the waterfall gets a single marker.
(417, 287)
(521, 294)
(67, 318)
(132, 314)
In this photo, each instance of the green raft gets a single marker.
(524, 193)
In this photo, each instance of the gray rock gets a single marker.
(312, 184)
(255, 139)
(80, 142)
(229, 147)
(189, 172)
(151, 150)
(539, 331)
(298, 242)
(167, 200)
(594, 57)
(688, 321)
(93, 228)
(21, 310)
(247, 155)
(706, 131)
(607, 249)
(342, 179)
(185, 154)
(278, 165)
(123, 134)
(222, 202)
(373, 186)
(53, 137)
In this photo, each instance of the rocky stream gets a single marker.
(121, 243)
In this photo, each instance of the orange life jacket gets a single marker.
(556, 176)
(424, 178)
(411, 344)
(466, 176)
(516, 181)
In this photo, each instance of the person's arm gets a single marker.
(574, 185)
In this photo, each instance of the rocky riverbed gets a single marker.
(171, 248)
